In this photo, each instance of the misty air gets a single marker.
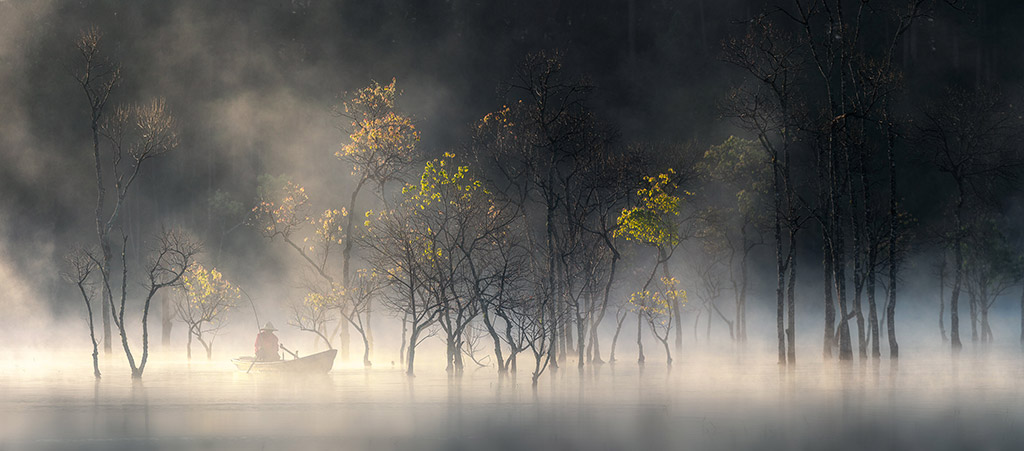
(612, 224)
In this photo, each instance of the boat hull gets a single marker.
(318, 363)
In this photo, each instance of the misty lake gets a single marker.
(726, 402)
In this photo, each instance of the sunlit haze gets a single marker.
(296, 224)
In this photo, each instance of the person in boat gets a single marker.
(266, 344)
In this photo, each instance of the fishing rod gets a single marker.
(257, 315)
(253, 305)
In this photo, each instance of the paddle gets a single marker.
(251, 365)
(286, 350)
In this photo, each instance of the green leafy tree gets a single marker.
(740, 171)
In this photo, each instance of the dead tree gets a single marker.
(79, 268)
(98, 77)
(172, 256)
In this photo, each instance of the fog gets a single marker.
(714, 195)
(742, 401)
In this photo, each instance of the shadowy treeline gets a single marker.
(646, 174)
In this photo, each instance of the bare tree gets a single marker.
(315, 311)
(971, 136)
(79, 268)
(354, 306)
(769, 108)
(173, 255)
(98, 77)
(396, 252)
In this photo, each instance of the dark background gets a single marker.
(253, 82)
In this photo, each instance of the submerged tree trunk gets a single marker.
(346, 258)
(741, 302)
(829, 340)
(676, 316)
(92, 330)
(858, 257)
(1022, 317)
(958, 261)
(596, 320)
(618, 328)
(166, 321)
(894, 349)
(411, 359)
(405, 329)
(494, 338)
(973, 299)
(942, 303)
(839, 258)
(639, 339)
(791, 301)
(779, 263)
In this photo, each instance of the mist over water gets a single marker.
(705, 402)
(257, 88)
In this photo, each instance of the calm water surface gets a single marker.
(702, 403)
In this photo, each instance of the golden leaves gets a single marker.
(650, 221)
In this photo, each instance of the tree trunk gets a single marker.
(92, 332)
(366, 348)
(104, 238)
(494, 337)
(873, 307)
(459, 365)
(618, 328)
(369, 330)
(839, 262)
(166, 321)
(779, 263)
(858, 257)
(344, 342)
(208, 347)
(676, 316)
(346, 256)
(741, 306)
(986, 330)
(411, 360)
(1022, 317)
(405, 328)
(580, 331)
(942, 303)
(604, 308)
(829, 340)
(791, 300)
(973, 296)
(668, 352)
(894, 349)
(552, 289)
(958, 260)
(639, 339)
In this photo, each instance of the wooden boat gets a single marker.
(318, 363)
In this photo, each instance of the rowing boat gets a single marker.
(321, 362)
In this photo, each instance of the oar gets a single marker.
(251, 365)
(286, 350)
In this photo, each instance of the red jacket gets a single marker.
(266, 346)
